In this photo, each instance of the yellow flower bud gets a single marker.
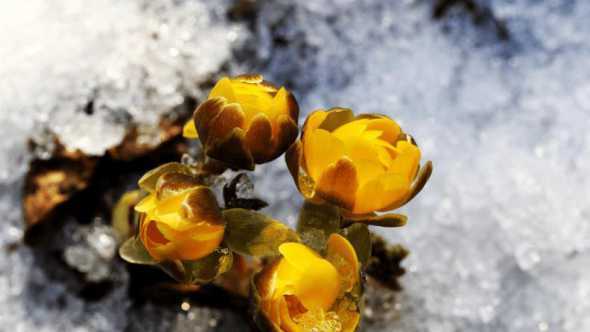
(303, 291)
(180, 219)
(245, 121)
(362, 164)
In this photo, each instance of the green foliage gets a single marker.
(208, 268)
(134, 252)
(316, 223)
(255, 234)
(358, 235)
(385, 220)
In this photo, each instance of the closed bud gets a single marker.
(362, 164)
(245, 121)
(179, 218)
(303, 291)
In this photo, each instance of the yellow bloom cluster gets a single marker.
(347, 167)
(180, 219)
(362, 164)
(303, 291)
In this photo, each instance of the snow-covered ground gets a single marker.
(499, 239)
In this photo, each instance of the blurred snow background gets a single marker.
(500, 237)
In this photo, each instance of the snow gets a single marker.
(85, 70)
(500, 237)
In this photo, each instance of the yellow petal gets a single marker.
(390, 130)
(313, 278)
(361, 148)
(249, 78)
(154, 234)
(321, 149)
(232, 150)
(152, 239)
(351, 130)
(350, 321)
(381, 192)
(385, 153)
(204, 115)
(172, 184)
(265, 280)
(189, 244)
(281, 103)
(170, 205)
(182, 229)
(285, 131)
(231, 117)
(196, 249)
(223, 88)
(348, 313)
(338, 183)
(336, 117)
(343, 256)
(199, 205)
(293, 160)
(314, 120)
(368, 170)
(299, 255)
(190, 130)
(147, 204)
(254, 99)
(407, 161)
(287, 323)
(274, 314)
(258, 137)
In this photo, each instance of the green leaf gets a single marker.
(175, 269)
(385, 220)
(316, 223)
(358, 235)
(210, 267)
(255, 234)
(134, 252)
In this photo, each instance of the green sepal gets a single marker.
(316, 223)
(255, 234)
(124, 218)
(421, 180)
(133, 251)
(208, 268)
(175, 269)
(358, 235)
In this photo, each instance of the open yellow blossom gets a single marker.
(303, 291)
(245, 121)
(180, 219)
(362, 164)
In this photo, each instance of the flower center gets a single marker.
(315, 320)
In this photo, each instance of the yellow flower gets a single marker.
(303, 291)
(245, 121)
(180, 219)
(362, 164)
